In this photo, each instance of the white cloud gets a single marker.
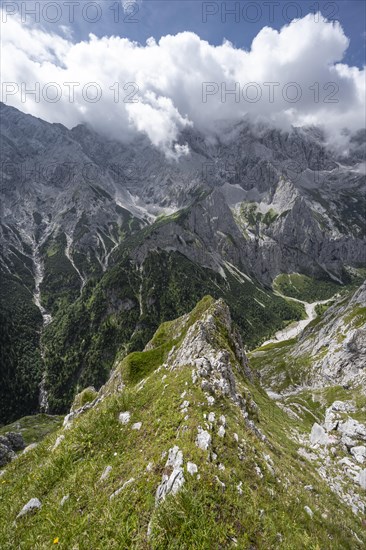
(67, 31)
(300, 62)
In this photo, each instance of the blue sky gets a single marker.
(210, 20)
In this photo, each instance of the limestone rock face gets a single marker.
(310, 229)
(339, 445)
(352, 430)
(359, 452)
(202, 349)
(342, 334)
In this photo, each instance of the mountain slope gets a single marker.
(180, 448)
(239, 210)
(121, 313)
(318, 379)
(330, 351)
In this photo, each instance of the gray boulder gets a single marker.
(6, 454)
(16, 441)
(318, 435)
(352, 431)
(4, 441)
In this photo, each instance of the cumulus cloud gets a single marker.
(121, 88)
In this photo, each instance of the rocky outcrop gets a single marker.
(10, 443)
(339, 445)
(338, 343)
(213, 346)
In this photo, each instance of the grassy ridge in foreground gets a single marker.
(266, 513)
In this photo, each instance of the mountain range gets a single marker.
(101, 241)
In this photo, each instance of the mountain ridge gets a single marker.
(180, 451)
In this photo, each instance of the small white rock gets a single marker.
(211, 417)
(64, 499)
(136, 426)
(32, 506)
(124, 417)
(362, 478)
(175, 457)
(192, 468)
(106, 473)
(223, 420)
(30, 447)
(58, 442)
(309, 511)
(258, 471)
(116, 493)
(203, 439)
(221, 431)
(220, 482)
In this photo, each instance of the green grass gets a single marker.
(85, 396)
(248, 214)
(278, 368)
(277, 345)
(139, 364)
(357, 317)
(34, 428)
(203, 515)
(322, 308)
(306, 288)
